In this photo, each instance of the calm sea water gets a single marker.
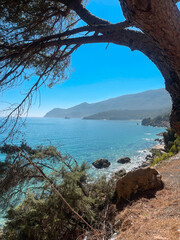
(88, 140)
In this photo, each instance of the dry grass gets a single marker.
(157, 218)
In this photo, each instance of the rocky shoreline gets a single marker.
(150, 157)
(147, 163)
(158, 147)
(104, 163)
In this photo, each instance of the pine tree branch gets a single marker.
(53, 186)
(23, 48)
(83, 13)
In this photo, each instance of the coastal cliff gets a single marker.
(159, 121)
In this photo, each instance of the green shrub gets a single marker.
(48, 217)
(174, 149)
(169, 138)
(163, 157)
(156, 153)
(43, 214)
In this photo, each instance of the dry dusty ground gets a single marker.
(157, 218)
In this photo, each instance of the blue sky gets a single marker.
(97, 73)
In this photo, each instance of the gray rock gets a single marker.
(148, 157)
(144, 164)
(124, 160)
(101, 163)
(120, 173)
(160, 140)
(160, 134)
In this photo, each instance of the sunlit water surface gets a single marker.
(89, 140)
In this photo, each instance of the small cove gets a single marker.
(89, 140)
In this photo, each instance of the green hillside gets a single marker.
(148, 100)
(125, 114)
(159, 121)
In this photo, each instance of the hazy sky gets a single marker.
(98, 73)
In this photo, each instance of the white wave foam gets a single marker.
(148, 139)
(142, 151)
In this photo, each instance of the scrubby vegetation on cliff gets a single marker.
(159, 121)
(47, 217)
(172, 147)
(43, 214)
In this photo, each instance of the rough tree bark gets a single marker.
(160, 20)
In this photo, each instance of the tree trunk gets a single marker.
(160, 20)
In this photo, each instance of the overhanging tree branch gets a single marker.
(132, 39)
(129, 38)
(21, 50)
(44, 42)
(83, 13)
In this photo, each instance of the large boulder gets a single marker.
(137, 181)
(101, 163)
(124, 160)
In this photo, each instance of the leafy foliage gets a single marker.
(169, 138)
(30, 32)
(43, 214)
(48, 217)
(172, 147)
(162, 157)
(28, 21)
(17, 175)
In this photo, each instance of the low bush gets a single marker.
(43, 214)
(164, 156)
(172, 147)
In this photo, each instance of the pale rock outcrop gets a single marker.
(137, 181)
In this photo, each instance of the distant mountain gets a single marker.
(148, 100)
(126, 114)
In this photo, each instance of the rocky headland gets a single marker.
(159, 121)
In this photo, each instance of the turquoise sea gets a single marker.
(88, 140)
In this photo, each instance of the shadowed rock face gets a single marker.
(137, 181)
(101, 163)
(124, 160)
(175, 119)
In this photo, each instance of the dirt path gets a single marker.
(156, 218)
